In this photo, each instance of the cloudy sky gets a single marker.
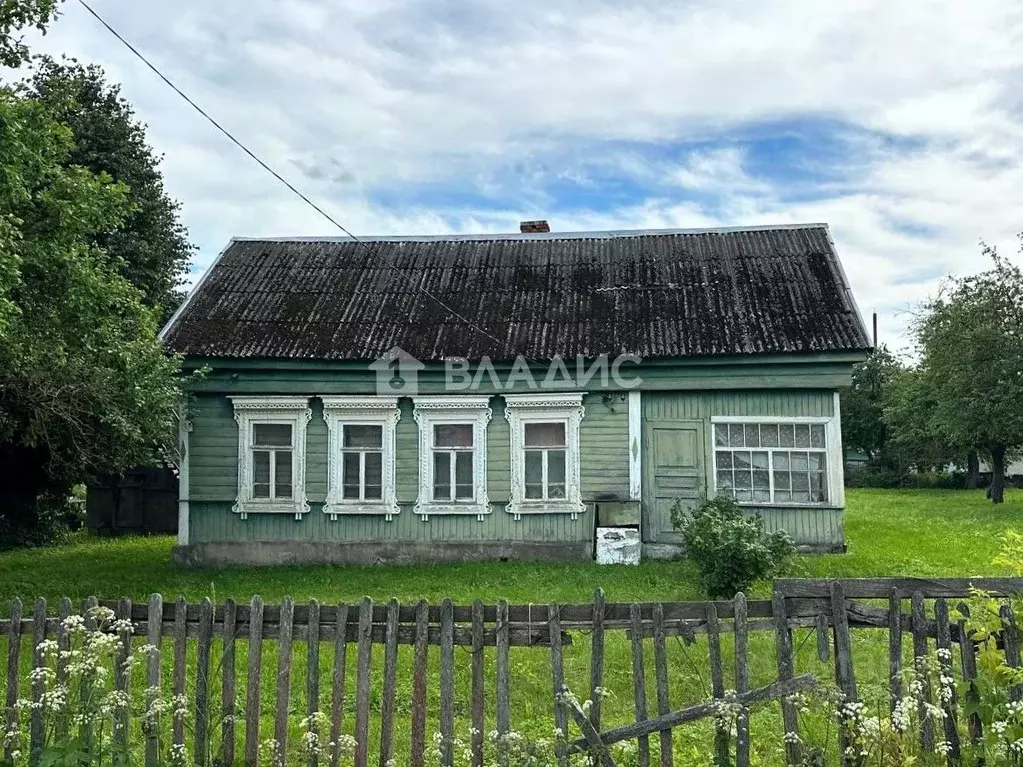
(896, 122)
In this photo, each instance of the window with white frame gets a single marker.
(452, 455)
(271, 455)
(778, 461)
(360, 458)
(544, 453)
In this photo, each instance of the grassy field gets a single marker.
(924, 533)
(889, 532)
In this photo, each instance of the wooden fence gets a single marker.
(186, 635)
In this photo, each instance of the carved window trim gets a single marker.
(340, 411)
(432, 410)
(291, 411)
(520, 409)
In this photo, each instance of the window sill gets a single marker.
(244, 508)
(519, 508)
(427, 510)
(788, 505)
(352, 508)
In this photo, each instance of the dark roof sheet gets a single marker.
(654, 294)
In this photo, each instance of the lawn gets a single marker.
(889, 532)
(923, 533)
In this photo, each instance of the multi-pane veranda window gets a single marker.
(452, 462)
(272, 453)
(544, 460)
(362, 459)
(771, 462)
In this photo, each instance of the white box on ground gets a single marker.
(618, 546)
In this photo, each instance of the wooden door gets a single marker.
(673, 471)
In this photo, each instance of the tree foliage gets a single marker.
(16, 15)
(85, 387)
(971, 349)
(863, 425)
(149, 244)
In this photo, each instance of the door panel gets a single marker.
(673, 470)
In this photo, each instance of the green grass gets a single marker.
(889, 532)
(923, 533)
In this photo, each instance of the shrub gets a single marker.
(730, 548)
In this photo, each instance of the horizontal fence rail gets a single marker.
(243, 666)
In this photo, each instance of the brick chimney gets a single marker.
(534, 227)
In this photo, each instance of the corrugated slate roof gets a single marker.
(677, 293)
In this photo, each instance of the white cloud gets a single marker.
(497, 104)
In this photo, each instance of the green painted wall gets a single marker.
(604, 469)
(807, 526)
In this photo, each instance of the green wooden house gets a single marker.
(404, 399)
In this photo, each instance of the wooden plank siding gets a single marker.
(604, 465)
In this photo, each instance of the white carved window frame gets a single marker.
(430, 411)
(520, 409)
(291, 411)
(340, 411)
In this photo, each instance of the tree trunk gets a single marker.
(997, 490)
(972, 470)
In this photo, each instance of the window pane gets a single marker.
(261, 467)
(534, 473)
(735, 434)
(442, 476)
(763, 496)
(452, 435)
(742, 494)
(374, 469)
(743, 479)
(534, 490)
(800, 483)
(271, 434)
(556, 491)
(555, 467)
(761, 480)
(724, 479)
(724, 459)
(781, 460)
(463, 468)
(818, 487)
(752, 435)
(782, 480)
(363, 436)
(769, 435)
(781, 496)
(800, 496)
(816, 461)
(785, 438)
(261, 490)
(742, 459)
(799, 461)
(759, 459)
(817, 435)
(349, 475)
(545, 435)
(282, 480)
(721, 434)
(802, 435)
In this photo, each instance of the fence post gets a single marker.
(663, 694)
(202, 682)
(717, 680)
(919, 658)
(312, 685)
(228, 662)
(362, 680)
(154, 637)
(390, 684)
(639, 682)
(895, 647)
(255, 667)
(337, 682)
(740, 611)
(844, 674)
(178, 674)
(478, 702)
(968, 658)
(447, 682)
(786, 671)
(419, 659)
(947, 690)
(557, 680)
(597, 658)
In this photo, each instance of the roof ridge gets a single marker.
(582, 235)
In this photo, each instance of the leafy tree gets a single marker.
(914, 439)
(150, 244)
(863, 425)
(16, 15)
(971, 349)
(85, 387)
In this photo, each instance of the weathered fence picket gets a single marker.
(923, 694)
(196, 630)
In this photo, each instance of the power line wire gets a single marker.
(277, 175)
